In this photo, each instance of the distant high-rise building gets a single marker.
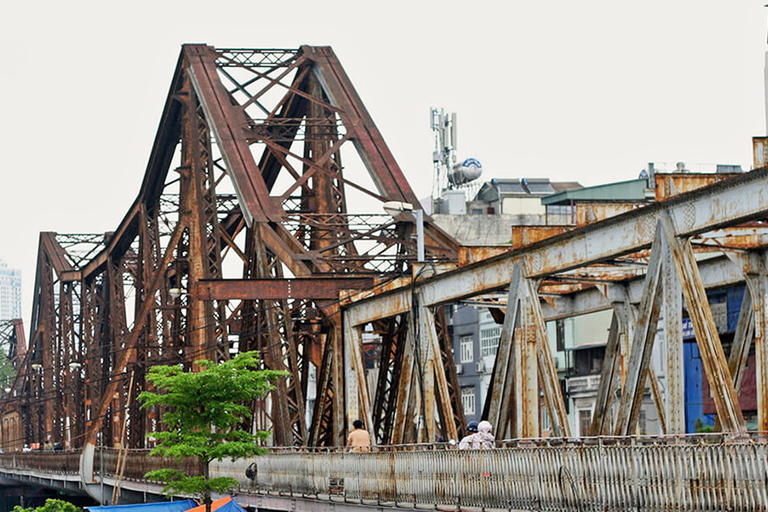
(10, 292)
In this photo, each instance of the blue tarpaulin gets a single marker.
(232, 506)
(164, 506)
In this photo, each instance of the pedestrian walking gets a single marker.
(359, 440)
(466, 441)
(481, 439)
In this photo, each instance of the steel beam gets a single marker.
(550, 385)
(500, 398)
(740, 199)
(712, 355)
(754, 266)
(274, 289)
(673, 336)
(642, 344)
(610, 377)
(357, 397)
(440, 376)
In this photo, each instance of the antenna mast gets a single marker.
(444, 155)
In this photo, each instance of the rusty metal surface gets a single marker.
(49, 462)
(728, 202)
(759, 152)
(138, 463)
(246, 166)
(526, 235)
(318, 288)
(672, 184)
(710, 347)
(474, 254)
(589, 212)
(653, 474)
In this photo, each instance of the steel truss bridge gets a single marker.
(249, 233)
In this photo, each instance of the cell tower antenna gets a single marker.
(444, 155)
(449, 175)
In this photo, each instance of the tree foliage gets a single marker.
(206, 409)
(51, 505)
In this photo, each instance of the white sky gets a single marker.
(586, 90)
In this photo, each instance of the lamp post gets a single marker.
(395, 208)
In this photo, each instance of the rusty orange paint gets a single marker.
(527, 235)
(473, 254)
(672, 184)
(589, 212)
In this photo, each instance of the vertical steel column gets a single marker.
(339, 425)
(642, 344)
(500, 399)
(610, 375)
(404, 386)
(712, 355)
(528, 380)
(427, 342)
(549, 382)
(438, 374)
(754, 268)
(357, 398)
(673, 334)
(200, 328)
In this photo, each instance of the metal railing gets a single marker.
(704, 472)
(138, 463)
(60, 462)
(711, 472)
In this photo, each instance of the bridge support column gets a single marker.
(752, 320)
(673, 334)
(712, 355)
(358, 402)
(642, 344)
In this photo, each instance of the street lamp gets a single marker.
(395, 208)
(175, 293)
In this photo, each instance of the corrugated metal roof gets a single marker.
(632, 190)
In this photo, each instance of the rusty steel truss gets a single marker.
(639, 264)
(250, 233)
(241, 238)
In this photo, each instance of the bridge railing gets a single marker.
(138, 463)
(59, 462)
(682, 473)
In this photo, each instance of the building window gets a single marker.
(489, 341)
(467, 350)
(468, 400)
(585, 419)
(560, 335)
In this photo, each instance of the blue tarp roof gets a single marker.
(164, 506)
(232, 506)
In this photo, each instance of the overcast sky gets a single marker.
(586, 90)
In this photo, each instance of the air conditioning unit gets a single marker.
(481, 366)
(459, 369)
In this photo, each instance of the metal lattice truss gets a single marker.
(248, 233)
(245, 230)
(643, 264)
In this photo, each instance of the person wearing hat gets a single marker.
(466, 441)
(482, 439)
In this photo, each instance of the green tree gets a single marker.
(206, 410)
(51, 505)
